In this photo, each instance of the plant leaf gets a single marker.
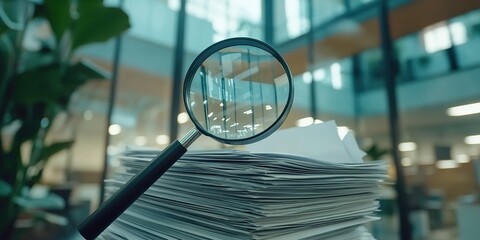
(46, 153)
(3, 27)
(86, 5)
(38, 59)
(375, 153)
(27, 131)
(77, 75)
(5, 56)
(80, 73)
(5, 188)
(38, 85)
(51, 201)
(51, 218)
(98, 24)
(54, 148)
(34, 179)
(58, 14)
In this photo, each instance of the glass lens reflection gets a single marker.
(238, 92)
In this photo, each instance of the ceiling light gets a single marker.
(463, 110)
(182, 118)
(307, 77)
(248, 112)
(446, 164)
(407, 146)
(336, 71)
(114, 129)
(319, 75)
(474, 139)
(162, 139)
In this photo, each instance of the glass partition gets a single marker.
(290, 19)
(326, 10)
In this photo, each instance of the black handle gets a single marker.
(99, 220)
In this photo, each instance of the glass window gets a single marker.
(141, 111)
(225, 18)
(291, 19)
(443, 35)
(438, 121)
(407, 50)
(211, 21)
(326, 10)
(467, 31)
(336, 75)
(371, 71)
(148, 20)
(358, 3)
(333, 92)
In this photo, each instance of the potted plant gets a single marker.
(36, 86)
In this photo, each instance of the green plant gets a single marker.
(374, 152)
(36, 85)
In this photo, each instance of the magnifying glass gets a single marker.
(237, 91)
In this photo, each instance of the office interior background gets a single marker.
(338, 52)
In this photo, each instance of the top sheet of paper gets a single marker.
(320, 141)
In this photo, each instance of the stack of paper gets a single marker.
(228, 194)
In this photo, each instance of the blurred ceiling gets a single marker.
(404, 20)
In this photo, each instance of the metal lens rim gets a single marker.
(239, 41)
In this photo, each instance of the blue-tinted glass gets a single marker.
(326, 10)
(211, 21)
(358, 3)
(291, 19)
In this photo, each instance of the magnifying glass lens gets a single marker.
(238, 92)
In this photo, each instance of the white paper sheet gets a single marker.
(319, 141)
